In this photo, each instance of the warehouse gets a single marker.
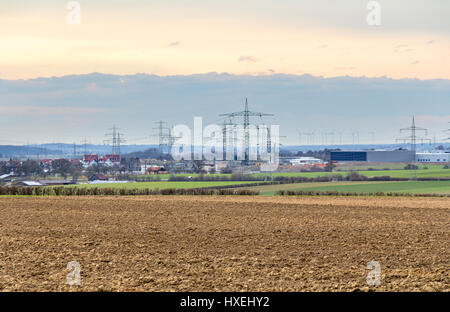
(433, 157)
(372, 156)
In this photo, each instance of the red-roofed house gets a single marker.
(89, 158)
(157, 170)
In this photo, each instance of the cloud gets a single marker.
(38, 110)
(92, 87)
(431, 42)
(415, 62)
(343, 102)
(248, 58)
(433, 119)
(402, 48)
(172, 44)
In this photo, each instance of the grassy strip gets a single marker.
(418, 187)
(433, 171)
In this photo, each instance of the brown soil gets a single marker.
(190, 243)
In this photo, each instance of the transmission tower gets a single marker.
(227, 132)
(165, 137)
(412, 138)
(84, 142)
(246, 114)
(115, 139)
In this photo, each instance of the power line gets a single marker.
(412, 138)
(246, 114)
(116, 140)
(165, 137)
(85, 142)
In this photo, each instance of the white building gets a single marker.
(432, 157)
(29, 183)
(305, 161)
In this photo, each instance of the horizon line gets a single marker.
(255, 75)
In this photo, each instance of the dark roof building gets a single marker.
(98, 177)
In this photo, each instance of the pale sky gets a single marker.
(322, 38)
(268, 49)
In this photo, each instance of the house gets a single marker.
(304, 161)
(55, 182)
(109, 160)
(28, 183)
(98, 177)
(46, 163)
(157, 170)
(6, 177)
(106, 161)
(114, 158)
(89, 158)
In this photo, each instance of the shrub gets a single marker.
(354, 176)
(382, 178)
(411, 167)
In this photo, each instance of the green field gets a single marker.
(362, 187)
(421, 173)
(413, 187)
(164, 184)
(433, 171)
(383, 165)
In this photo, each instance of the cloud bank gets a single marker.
(71, 107)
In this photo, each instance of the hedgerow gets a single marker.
(336, 193)
(105, 191)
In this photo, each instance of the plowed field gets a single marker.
(162, 243)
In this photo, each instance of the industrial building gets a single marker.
(372, 156)
(432, 157)
(388, 156)
(302, 161)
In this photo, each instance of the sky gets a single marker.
(70, 108)
(323, 38)
(318, 65)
